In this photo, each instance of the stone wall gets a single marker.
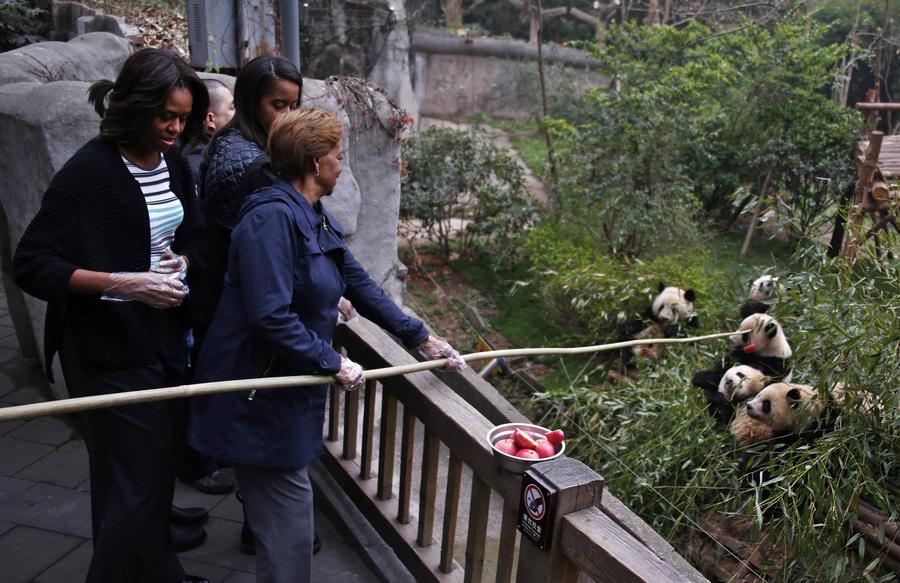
(45, 118)
(459, 77)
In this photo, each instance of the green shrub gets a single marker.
(466, 192)
(579, 280)
(20, 24)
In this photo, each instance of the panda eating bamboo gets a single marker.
(758, 357)
(671, 308)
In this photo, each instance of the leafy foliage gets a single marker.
(465, 191)
(842, 324)
(580, 282)
(20, 24)
(694, 116)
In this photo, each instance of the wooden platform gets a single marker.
(888, 159)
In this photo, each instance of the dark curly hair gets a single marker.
(140, 93)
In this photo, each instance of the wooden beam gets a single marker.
(451, 513)
(864, 106)
(577, 487)
(453, 421)
(608, 554)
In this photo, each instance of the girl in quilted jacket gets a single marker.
(266, 87)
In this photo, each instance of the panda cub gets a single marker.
(782, 412)
(762, 294)
(741, 382)
(671, 308)
(763, 348)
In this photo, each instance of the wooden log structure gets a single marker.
(584, 541)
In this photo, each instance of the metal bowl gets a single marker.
(515, 464)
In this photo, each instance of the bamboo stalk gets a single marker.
(77, 404)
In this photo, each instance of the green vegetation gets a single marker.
(464, 191)
(697, 123)
(21, 24)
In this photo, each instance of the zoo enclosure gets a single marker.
(585, 540)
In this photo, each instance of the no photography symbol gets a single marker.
(534, 502)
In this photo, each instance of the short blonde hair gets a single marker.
(299, 137)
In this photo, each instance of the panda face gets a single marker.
(741, 382)
(776, 406)
(763, 336)
(763, 288)
(674, 305)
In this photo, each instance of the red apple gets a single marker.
(524, 440)
(528, 454)
(545, 448)
(556, 437)
(507, 446)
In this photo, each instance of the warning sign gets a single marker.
(536, 506)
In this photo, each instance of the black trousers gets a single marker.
(192, 465)
(132, 452)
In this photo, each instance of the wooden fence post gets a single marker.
(574, 487)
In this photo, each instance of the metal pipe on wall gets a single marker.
(290, 30)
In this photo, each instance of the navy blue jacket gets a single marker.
(288, 266)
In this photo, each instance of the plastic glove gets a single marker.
(170, 264)
(351, 376)
(154, 289)
(435, 348)
(346, 311)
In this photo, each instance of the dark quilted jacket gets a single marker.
(226, 167)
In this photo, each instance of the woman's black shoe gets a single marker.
(184, 538)
(187, 516)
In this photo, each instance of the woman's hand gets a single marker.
(346, 311)
(154, 289)
(435, 348)
(170, 263)
(351, 376)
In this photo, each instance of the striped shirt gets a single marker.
(163, 207)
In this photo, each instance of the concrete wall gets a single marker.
(460, 81)
(45, 118)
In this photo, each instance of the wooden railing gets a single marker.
(584, 540)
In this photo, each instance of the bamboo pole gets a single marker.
(78, 404)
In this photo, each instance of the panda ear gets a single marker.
(771, 329)
(662, 286)
(793, 397)
(690, 295)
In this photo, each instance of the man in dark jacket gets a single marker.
(220, 112)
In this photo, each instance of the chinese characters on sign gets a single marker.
(536, 505)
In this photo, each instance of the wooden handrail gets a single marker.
(582, 538)
(451, 419)
(604, 551)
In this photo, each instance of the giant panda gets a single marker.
(738, 383)
(762, 347)
(762, 294)
(784, 412)
(741, 382)
(671, 308)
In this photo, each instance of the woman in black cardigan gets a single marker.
(117, 233)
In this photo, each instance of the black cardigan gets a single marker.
(94, 216)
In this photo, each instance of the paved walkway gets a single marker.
(45, 521)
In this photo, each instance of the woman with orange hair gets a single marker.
(288, 266)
